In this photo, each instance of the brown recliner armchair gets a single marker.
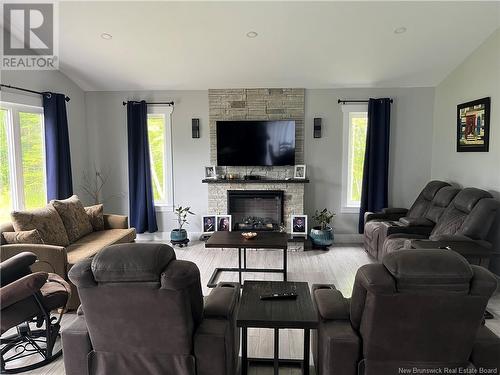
(374, 220)
(143, 311)
(419, 309)
(26, 301)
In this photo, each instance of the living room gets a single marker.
(163, 119)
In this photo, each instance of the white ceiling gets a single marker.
(200, 45)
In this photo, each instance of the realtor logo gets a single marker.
(28, 36)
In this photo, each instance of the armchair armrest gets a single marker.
(222, 301)
(22, 288)
(416, 222)
(217, 339)
(16, 266)
(485, 350)
(112, 221)
(52, 259)
(421, 230)
(330, 303)
(386, 214)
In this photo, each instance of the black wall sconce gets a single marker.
(195, 127)
(317, 127)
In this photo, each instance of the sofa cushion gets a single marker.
(24, 237)
(73, 215)
(89, 245)
(46, 220)
(96, 216)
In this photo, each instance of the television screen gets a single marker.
(255, 143)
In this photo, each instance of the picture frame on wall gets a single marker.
(210, 172)
(299, 172)
(223, 223)
(208, 223)
(473, 126)
(298, 225)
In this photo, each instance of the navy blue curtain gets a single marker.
(141, 201)
(374, 191)
(57, 152)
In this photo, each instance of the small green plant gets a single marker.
(323, 218)
(182, 213)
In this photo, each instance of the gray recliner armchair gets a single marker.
(418, 309)
(374, 220)
(422, 225)
(463, 227)
(143, 311)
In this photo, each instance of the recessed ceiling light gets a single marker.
(106, 36)
(400, 30)
(252, 34)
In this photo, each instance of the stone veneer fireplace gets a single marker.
(257, 104)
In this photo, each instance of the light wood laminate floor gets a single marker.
(337, 266)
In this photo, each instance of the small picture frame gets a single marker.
(223, 223)
(210, 172)
(208, 223)
(299, 225)
(299, 172)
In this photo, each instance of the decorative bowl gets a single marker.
(249, 235)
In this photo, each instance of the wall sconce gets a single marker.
(195, 127)
(317, 127)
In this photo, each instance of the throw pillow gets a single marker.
(96, 216)
(46, 220)
(24, 237)
(74, 217)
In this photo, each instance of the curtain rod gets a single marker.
(354, 101)
(67, 98)
(151, 103)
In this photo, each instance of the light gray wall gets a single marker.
(477, 77)
(410, 154)
(55, 81)
(107, 122)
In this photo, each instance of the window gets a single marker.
(355, 126)
(22, 159)
(160, 154)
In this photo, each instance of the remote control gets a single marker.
(279, 296)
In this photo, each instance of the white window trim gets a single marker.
(348, 207)
(15, 152)
(168, 175)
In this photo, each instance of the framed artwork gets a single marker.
(210, 172)
(299, 171)
(299, 225)
(223, 223)
(208, 223)
(473, 126)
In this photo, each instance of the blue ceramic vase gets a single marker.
(322, 237)
(178, 235)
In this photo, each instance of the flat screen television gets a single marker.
(255, 143)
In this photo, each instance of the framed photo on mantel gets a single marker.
(473, 126)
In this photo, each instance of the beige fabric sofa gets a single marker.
(59, 259)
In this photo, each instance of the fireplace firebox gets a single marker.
(258, 210)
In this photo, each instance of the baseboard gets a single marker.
(348, 238)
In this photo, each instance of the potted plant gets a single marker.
(180, 234)
(322, 234)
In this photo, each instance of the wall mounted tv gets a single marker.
(255, 143)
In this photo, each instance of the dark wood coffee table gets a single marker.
(264, 240)
(296, 313)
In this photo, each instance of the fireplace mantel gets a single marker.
(261, 181)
